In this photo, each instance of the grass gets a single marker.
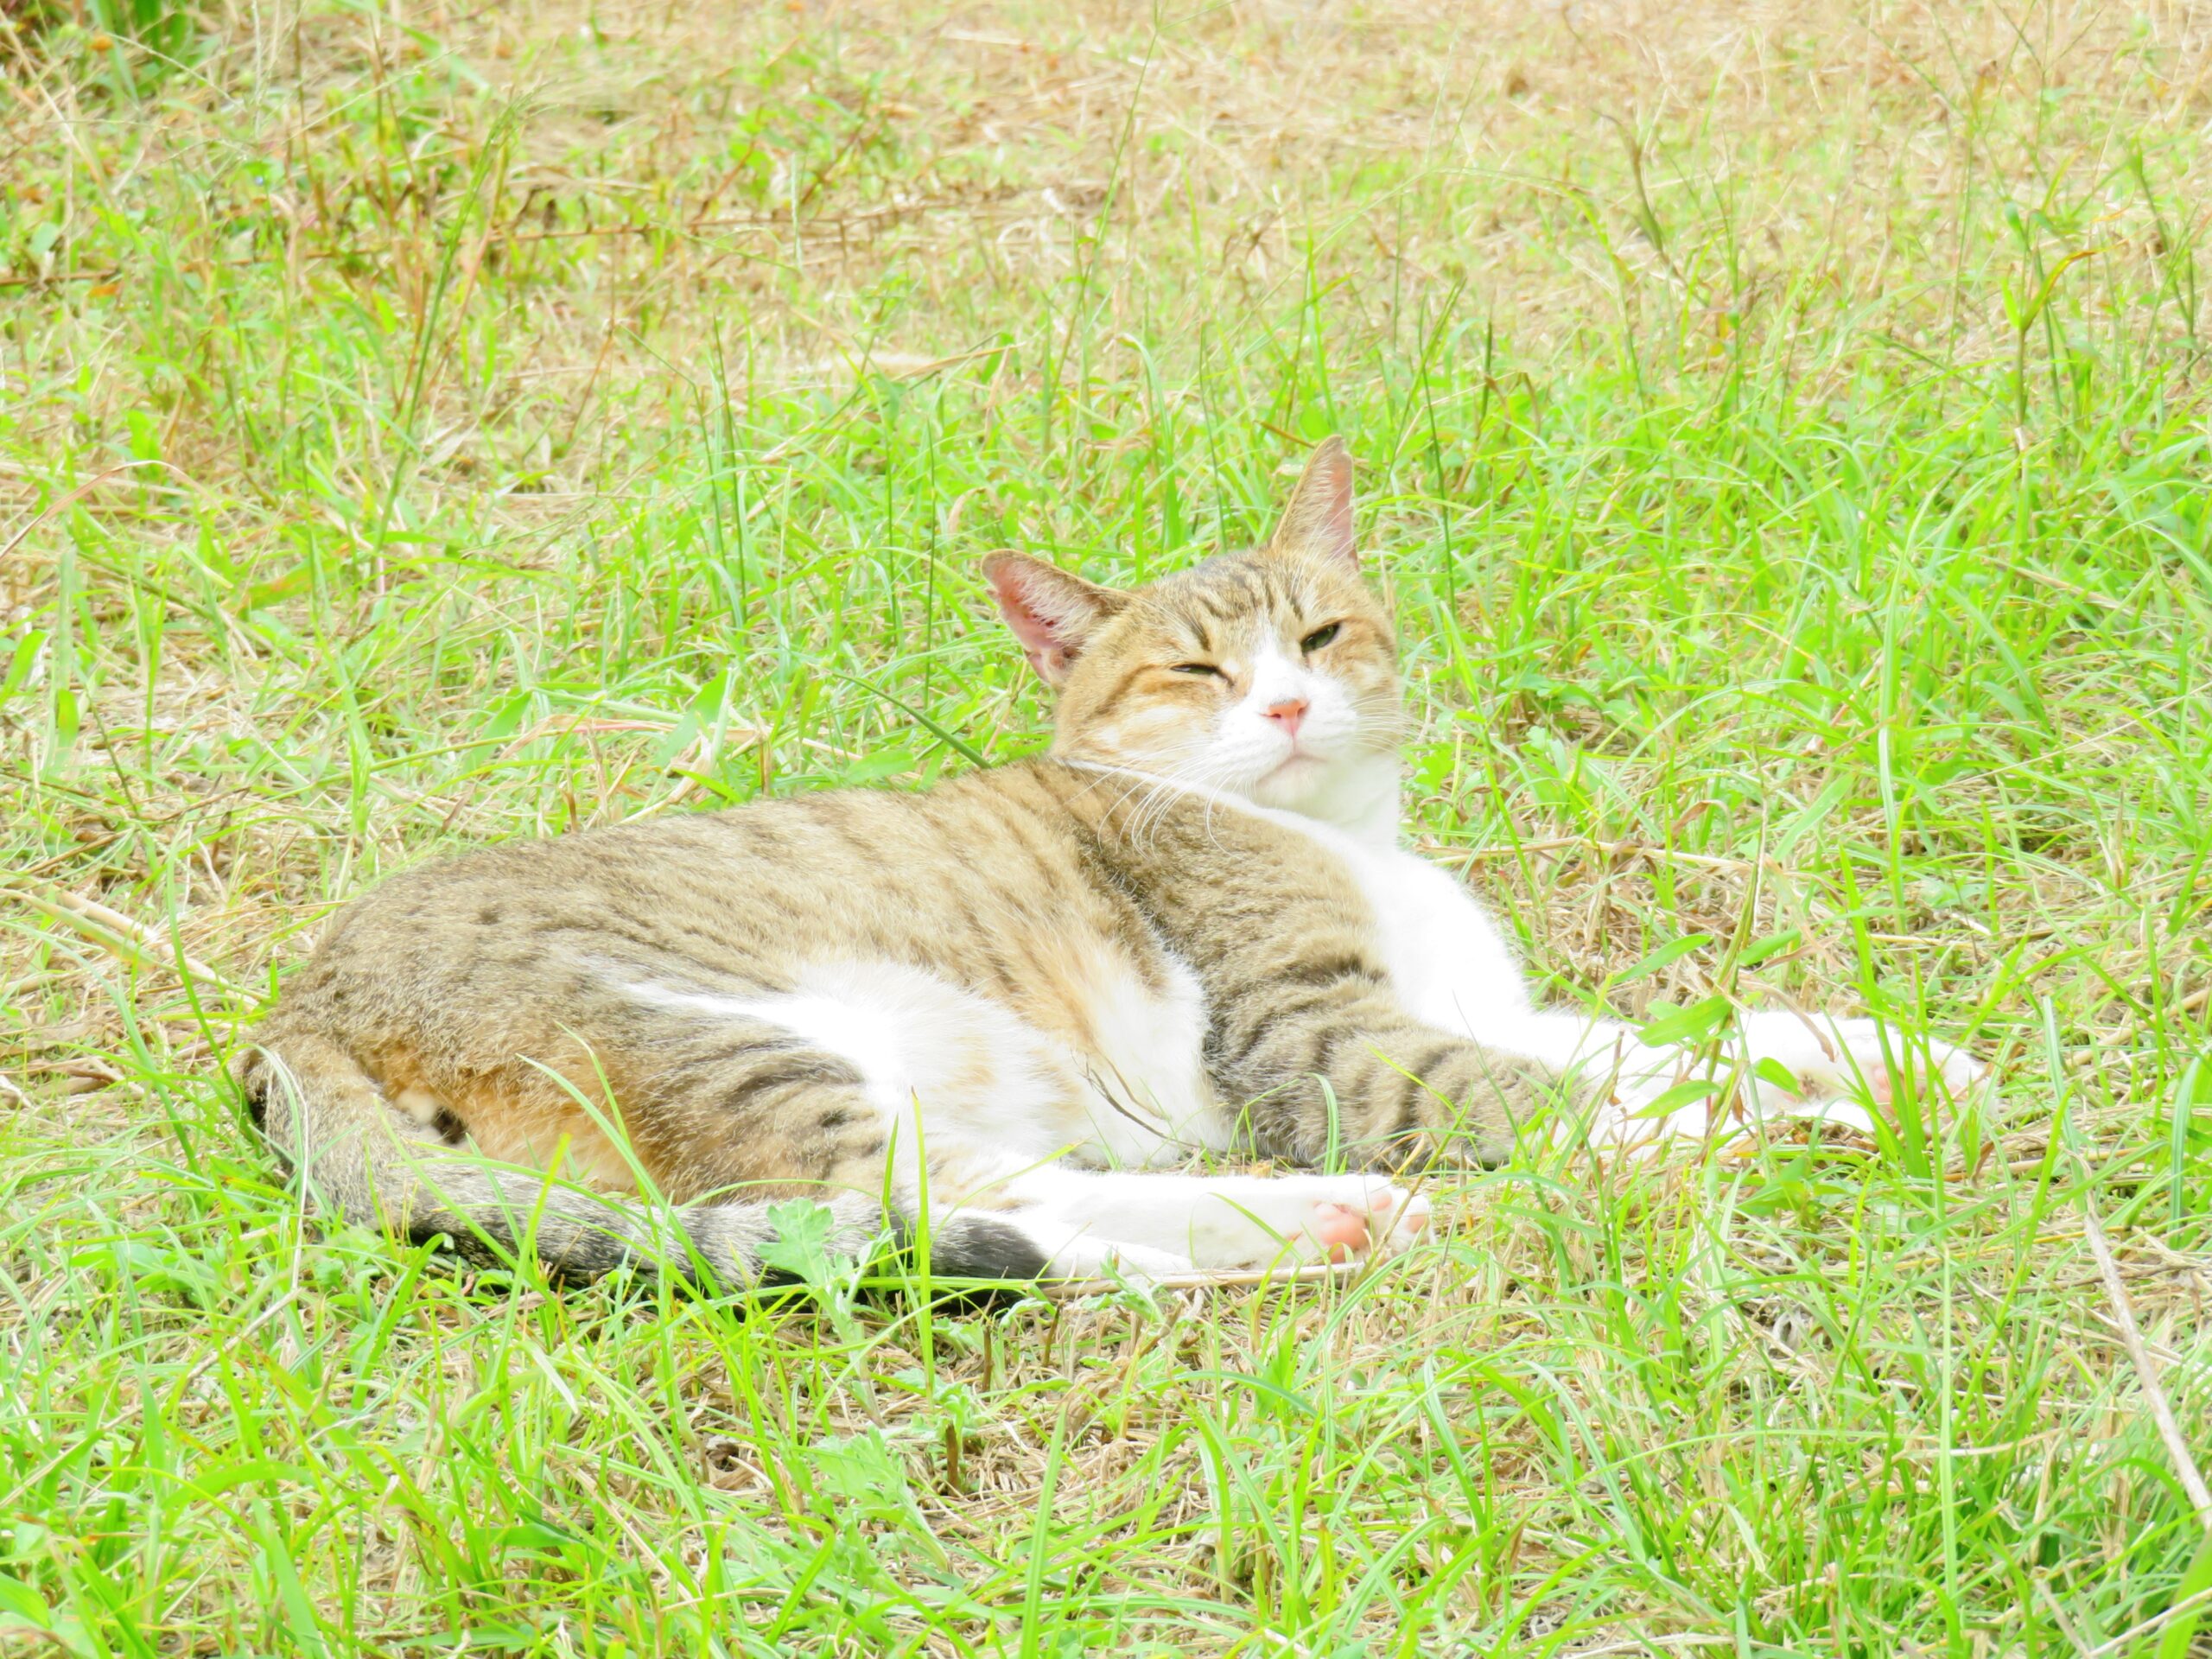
(1783, 439)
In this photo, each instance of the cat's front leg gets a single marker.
(1639, 1097)
(1776, 1064)
(1847, 1060)
(1620, 1089)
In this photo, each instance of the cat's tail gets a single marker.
(354, 1156)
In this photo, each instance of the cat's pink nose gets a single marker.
(1286, 714)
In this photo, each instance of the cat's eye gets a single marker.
(1196, 668)
(1320, 637)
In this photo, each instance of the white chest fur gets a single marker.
(1446, 960)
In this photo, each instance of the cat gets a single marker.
(1007, 1012)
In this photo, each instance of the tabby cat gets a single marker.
(1010, 1011)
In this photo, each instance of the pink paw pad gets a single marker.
(1339, 1230)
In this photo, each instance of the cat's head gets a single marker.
(1270, 675)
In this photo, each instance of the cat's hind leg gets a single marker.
(1077, 1218)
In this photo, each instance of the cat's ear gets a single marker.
(1318, 521)
(1052, 614)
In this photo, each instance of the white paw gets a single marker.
(1842, 1069)
(1853, 1060)
(1307, 1218)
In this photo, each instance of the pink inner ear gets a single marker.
(1047, 639)
(1319, 518)
(1331, 529)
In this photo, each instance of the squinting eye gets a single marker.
(1320, 637)
(1195, 668)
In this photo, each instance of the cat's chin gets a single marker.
(1359, 794)
(1299, 772)
(1289, 784)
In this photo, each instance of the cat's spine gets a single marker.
(356, 1158)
